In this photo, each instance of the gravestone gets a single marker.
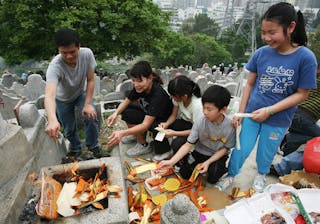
(35, 87)
(96, 85)
(8, 80)
(107, 85)
(114, 96)
(126, 87)
(122, 77)
(3, 131)
(18, 88)
(202, 82)
(232, 87)
(7, 104)
(210, 77)
(28, 115)
(193, 75)
(217, 74)
(207, 70)
(15, 153)
(181, 69)
(165, 78)
(172, 73)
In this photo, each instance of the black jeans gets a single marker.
(179, 125)
(215, 170)
(133, 114)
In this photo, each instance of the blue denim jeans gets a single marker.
(293, 161)
(66, 115)
(301, 130)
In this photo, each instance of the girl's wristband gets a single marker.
(270, 111)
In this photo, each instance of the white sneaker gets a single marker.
(138, 149)
(259, 182)
(128, 139)
(224, 183)
(160, 157)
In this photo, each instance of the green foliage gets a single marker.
(173, 50)
(207, 50)
(201, 23)
(110, 28)
(314, 43)
(235, 45)
(195, 50)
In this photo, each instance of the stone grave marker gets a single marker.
(232, 87)
(35, 87)
(18, 88)
(193, 75)
(7, 104)
(107, 85)
(8, 80)
(202, 82)
(96, 85)
(126, 87)
(122, 77)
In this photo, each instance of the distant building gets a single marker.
(216, 9)
(204, 3)
(183, 4)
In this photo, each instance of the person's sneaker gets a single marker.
(224, 183)
(74, 153)
(128, 139)
(97, 153)
(71, 157)
(160, 157)
(138, 149)
(259, 182)
(176, 169)
(273, 171)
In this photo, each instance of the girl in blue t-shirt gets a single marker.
(280, 76)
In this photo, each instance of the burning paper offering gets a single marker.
(72, 191)
(143, 168)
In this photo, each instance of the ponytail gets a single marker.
(284, 13)
(196, 90)
(299, 35)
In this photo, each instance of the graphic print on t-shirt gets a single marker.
(276, 79)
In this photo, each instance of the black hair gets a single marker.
(65, 37)
(182, 85)
(218, 95)
(284, 13)
(143, 69)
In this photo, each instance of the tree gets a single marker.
(173, 50)
(314, 43)
(201, 23)
(207, 50)
(111, 28)
(235, 44)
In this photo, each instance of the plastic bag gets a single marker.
(47, 205)
(311, 156)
